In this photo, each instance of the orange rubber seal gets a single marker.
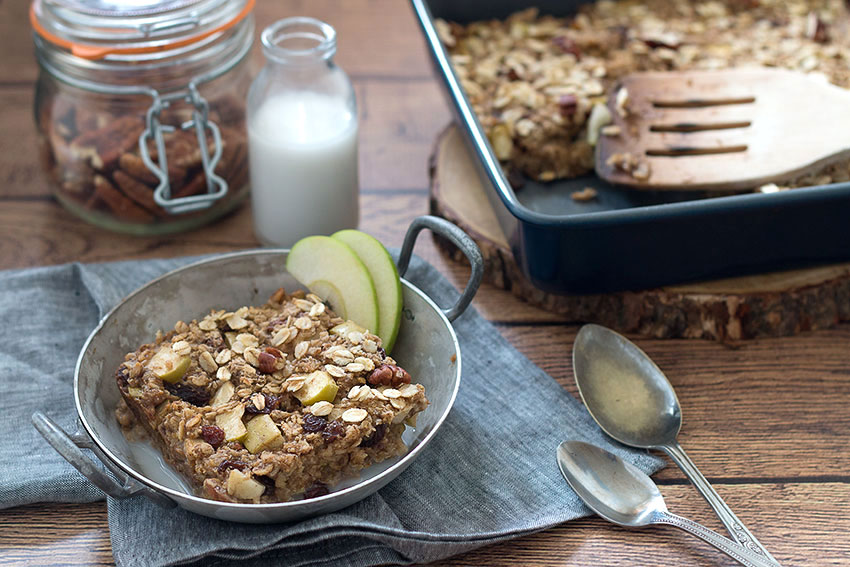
(99, 52)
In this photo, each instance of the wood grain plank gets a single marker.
(772, 408)
(377, 38)
(41, 232)
(773, 512)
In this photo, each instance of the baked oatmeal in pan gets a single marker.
(266, 404)
(539, 84)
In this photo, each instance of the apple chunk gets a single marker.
(231, 423)
(168, 365)
(385, 277)
(263, 434)
(318, 387)
(333, 271)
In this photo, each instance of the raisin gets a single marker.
(272, 402)
(567, 45)
(213, 435)
(316, 490)
(314, 424)
(267, 481)
(382, 352)
(376, 437)
(333, 431)
(228, 464)
(568, 104)
(191, 394)
(122, 376)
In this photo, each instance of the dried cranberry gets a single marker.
(313, 423)
(654, 43)
(228, 464)
(376, 437)
(213, 435)
(194, 395)
(316, 490)
(567, 45)
(568, 104)
(333, 431)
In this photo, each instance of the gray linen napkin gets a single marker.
(489, 474)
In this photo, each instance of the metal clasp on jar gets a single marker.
(200, 122)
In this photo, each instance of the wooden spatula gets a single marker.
(722, 130)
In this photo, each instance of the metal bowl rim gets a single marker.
(293, 504)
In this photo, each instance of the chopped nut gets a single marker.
(586, 194)
(354, 415)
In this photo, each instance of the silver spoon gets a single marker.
(625, 495)
(633, 402)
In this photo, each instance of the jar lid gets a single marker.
(102, 29)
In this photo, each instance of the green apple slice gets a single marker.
(168, 365)
(385, 276)
(333, 271)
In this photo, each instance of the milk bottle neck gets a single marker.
(300, 45)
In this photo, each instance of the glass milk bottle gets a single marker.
(302, 136)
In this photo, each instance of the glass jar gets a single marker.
(140, 110)
(302, 136)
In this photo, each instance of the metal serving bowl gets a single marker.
(427, 347)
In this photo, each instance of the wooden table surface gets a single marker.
(767, 422)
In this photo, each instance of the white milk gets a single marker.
(303, 159)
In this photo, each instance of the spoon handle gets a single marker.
(733, 525)
(738, 552)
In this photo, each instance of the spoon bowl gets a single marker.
(616, 490)
(633, 402)
(625, 392)
(625, 495)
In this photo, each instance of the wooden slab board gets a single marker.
(728, 310)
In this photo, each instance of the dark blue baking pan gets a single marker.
(630, 240)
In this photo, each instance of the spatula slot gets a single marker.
(678, 151)
(694, 127)
(700, 103)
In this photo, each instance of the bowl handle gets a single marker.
(70, 446)
(460, 239)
